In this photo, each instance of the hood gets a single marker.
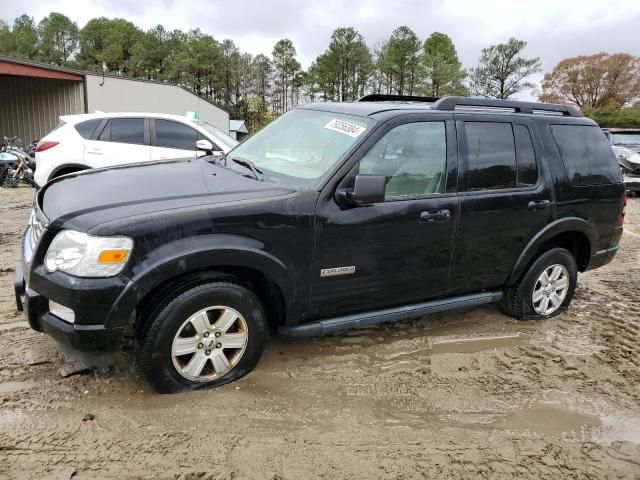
(83, 200)
(635, 147)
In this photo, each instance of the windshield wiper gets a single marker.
(257, 173)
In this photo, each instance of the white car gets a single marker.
(97, 140)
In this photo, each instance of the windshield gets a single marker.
(626, 138)
(300, 148)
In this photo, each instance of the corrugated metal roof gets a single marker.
(47, 66)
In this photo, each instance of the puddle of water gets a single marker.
(547, 418)
(8, 417)
(476, 344)
(618, 428)
(10, 387)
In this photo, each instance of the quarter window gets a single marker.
(491, 157)
(413, 159)
(171, 134)
(586, 154)
(86, 128)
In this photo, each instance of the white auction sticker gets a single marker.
(347, 128)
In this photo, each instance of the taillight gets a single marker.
(624, 207)
(46, 145)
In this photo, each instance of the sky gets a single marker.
(553, 29)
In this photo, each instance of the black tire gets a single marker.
(518, 302)
(155, 356)
(30, 182)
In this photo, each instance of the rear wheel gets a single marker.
(546, 289)
(209, 335)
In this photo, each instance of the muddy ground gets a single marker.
(467, 394)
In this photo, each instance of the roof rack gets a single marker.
(382, 97)
(450, 103)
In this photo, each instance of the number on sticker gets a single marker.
(345, 127)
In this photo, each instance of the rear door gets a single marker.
(171, 139)
(505, 198)
(398, 251)
(119, 140)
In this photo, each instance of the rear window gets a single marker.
(86, 128)
(127, 130)
(527, 166)
(586, 154)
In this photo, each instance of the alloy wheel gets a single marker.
(550, 289)
(209, 343)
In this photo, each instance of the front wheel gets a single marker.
(546, 289)
(209, 335)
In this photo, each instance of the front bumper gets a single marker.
(85, 338)
(103, 308)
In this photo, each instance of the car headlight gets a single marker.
(83, 255)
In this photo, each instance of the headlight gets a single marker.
(84, 255)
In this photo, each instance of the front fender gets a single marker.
(202, 252)
(562, 225)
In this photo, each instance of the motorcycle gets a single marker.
(16, 165)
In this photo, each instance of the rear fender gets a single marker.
(562, 225)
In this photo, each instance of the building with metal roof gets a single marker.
(33, 95)
(238, 129)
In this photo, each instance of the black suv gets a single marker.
(334, 216)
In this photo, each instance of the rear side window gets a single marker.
(586, 154)
(526, 156)
(124, 130)
(491, 157)
(86, 128)
(171, 134)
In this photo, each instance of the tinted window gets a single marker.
(492, 156)
(527, 167)
(175, 135)
(412, 157)
(127, 130)
(86, 128)
(105, 135)
(586, 154)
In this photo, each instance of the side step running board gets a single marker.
(323, 327)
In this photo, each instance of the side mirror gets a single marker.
(367, 189)
(205, 145)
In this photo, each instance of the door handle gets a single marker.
(539, 205)
(95, 152)
(435, 216)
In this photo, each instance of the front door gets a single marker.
(171, 139)
(398, 251)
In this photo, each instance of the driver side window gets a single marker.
(413, 159)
